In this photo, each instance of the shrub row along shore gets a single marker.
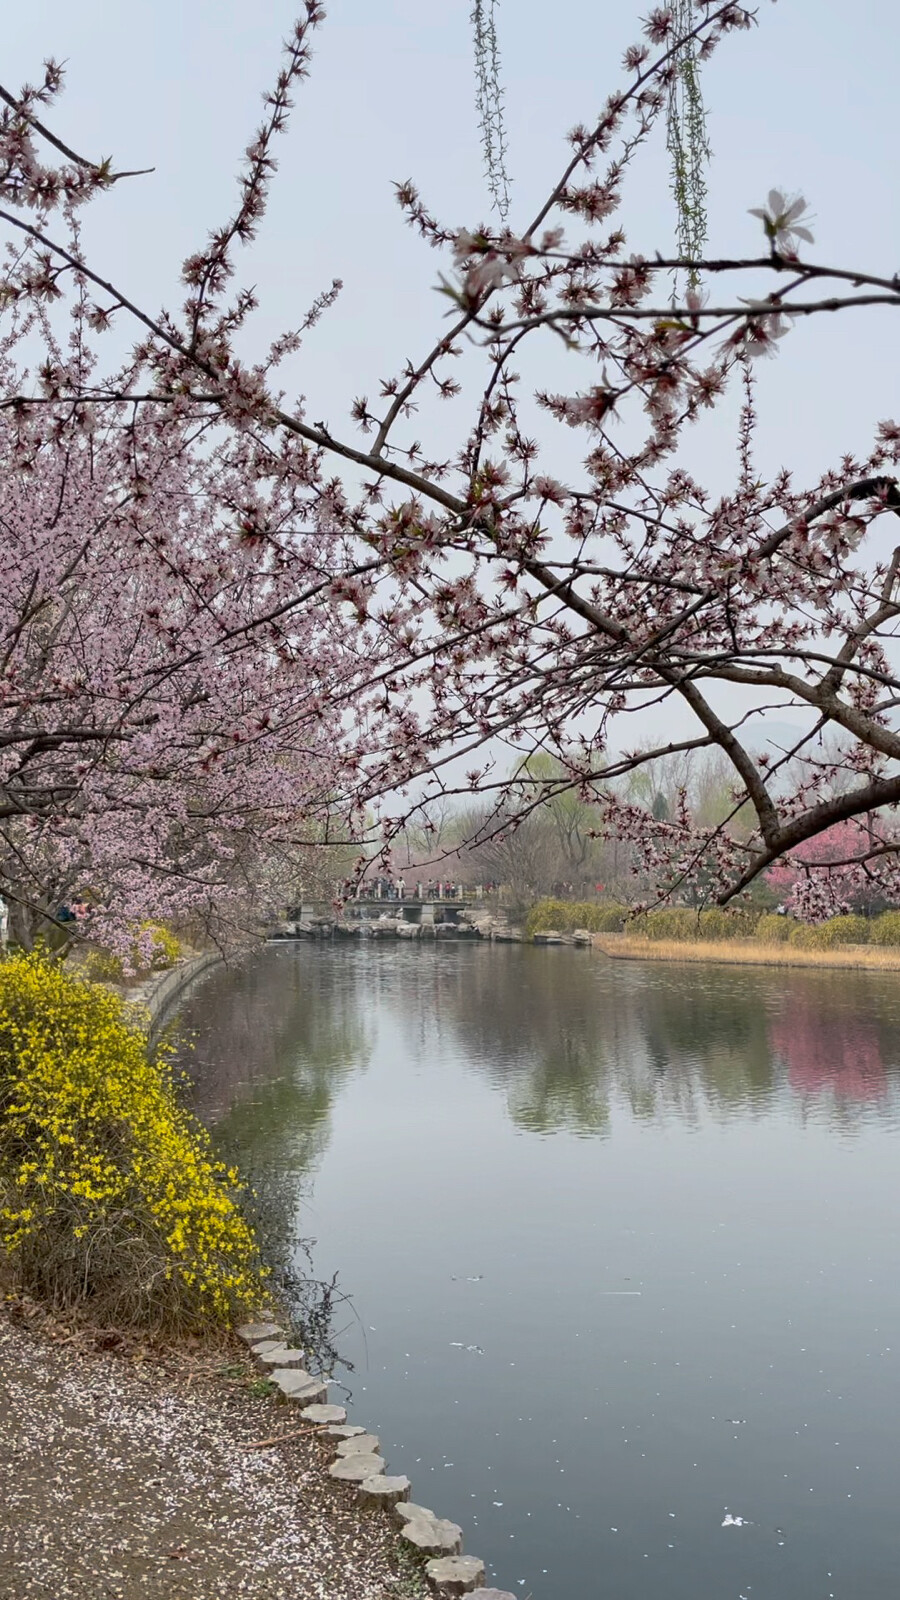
(758, 938)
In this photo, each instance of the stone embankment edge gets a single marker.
(157, 997)
(357, 1464)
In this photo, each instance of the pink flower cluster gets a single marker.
(223, 626)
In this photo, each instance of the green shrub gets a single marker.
(566, 915)
(669, 922)
(545, 914)
(804, 936)
(885, 929)
(104, 967)
(845, 930)
(720, 922)
(774, 930)
(683, 924)
(110, 1195)
(607, 919)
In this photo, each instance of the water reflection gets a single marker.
(575, 1033)
(830, 1052)
(562, 1034)
(266, 1047)
(634, 1261)
(272, 1036)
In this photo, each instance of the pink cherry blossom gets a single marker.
(231, 633)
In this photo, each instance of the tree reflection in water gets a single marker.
(565, 1034)
(266, 1047)
(567, 1038)
(826, 1051)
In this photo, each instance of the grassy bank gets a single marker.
(747, 952)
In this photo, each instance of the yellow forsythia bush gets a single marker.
(110, 1194)
(157, 942)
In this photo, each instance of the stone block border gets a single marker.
(170, 986)
(357, 1464)
(153, 1001)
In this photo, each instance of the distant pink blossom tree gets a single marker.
(456, 608)
(829, 872)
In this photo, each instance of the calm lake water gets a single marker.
(621, 1240)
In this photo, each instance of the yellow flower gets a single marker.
(93, 1137)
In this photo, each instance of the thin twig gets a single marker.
(279, 1438)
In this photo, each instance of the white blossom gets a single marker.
(784, 221)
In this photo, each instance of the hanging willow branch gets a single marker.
(489, 101)
(686, 135)
(687, 141)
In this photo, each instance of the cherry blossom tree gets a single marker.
(167, 743)
(560, 566)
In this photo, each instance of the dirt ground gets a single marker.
(128, 1475)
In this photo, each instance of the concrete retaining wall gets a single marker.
(160, 994)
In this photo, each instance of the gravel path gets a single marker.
(123, 1478)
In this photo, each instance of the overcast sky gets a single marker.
(807, 101)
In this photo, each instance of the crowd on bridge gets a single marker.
(432, 889)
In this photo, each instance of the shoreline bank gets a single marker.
(174, 1474)
(162, 995)
(631, 947)
(371, 1539)
(744, 952)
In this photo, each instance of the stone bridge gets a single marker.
(409, 909)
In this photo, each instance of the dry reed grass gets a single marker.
(745, 952)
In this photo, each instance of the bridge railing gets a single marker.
(402, 892)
